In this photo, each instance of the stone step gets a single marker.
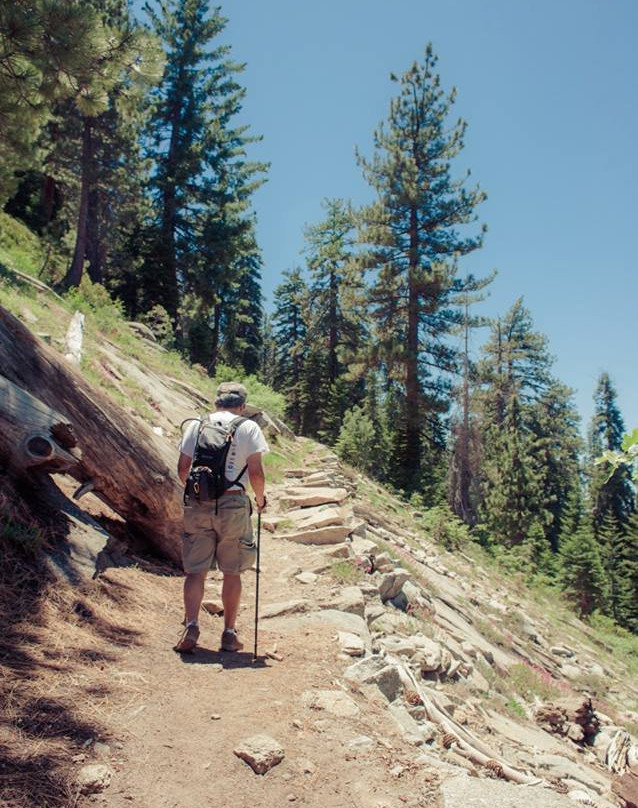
(308, 497)
(333, 534)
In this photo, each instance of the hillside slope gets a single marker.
(389, 668)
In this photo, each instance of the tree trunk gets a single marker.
(412, 391)
(131, 469)
(74, 275)
(32, 434)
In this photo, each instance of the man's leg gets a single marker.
(231, 594)
(193, 594)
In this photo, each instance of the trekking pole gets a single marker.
(257, 583)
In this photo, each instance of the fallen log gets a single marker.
(33, 436)
(129, 467)
(462, 739)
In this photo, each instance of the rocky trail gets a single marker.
(391, 672)
(372, 688)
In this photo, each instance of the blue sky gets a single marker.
(549, 91)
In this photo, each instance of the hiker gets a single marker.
(217, 528)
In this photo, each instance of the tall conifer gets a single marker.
(411, 230)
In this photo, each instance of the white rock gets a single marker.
(350, 599)
(392, 583)
(306, 578)
(333, 534)
(261, 752)
(377, 671)
(582, 797)
(307, 497)
(361, 742)
(332, 701)
(284, 607)
(351, 644)
(562, 651)
(93, 778)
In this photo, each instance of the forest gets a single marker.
(121, 148)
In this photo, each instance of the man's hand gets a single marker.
(261, 504)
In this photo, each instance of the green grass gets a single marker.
(527, 683)
(19, 247)
(515, 708)
(345, 572)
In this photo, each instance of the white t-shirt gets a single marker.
(248, 440)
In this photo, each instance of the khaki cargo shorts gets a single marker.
(221, 540)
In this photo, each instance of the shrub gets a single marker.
(445, 527)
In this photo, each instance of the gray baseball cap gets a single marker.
(231, 394)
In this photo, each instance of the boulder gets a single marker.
(390, 623)
(392, 582)
(332, 701)
(308, 497)
(479, 792)
(314, 518)
(406, 724)
(334, 534)
(376, 670)
(350, 599)
(373, 611)
(261, 752)
(362, 546)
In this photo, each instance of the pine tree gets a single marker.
(512, 482)
(614, 495)
(412, 230)
(514, 377)
(49, 51)
(582, 574)
(204, 236)
(554, 421)
(289, 334)
(337, 321)
(127, 55)
(629, 571)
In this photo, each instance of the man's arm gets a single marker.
(257, 478)
(184, 466)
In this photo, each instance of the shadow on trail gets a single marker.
(241, 659)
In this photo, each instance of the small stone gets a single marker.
(308, 767)
(94, 778)
(102, 750)
(351, 644)
(212, 607)
(215, 717)
(361, 742)
(78, 758)
(297, 724)
(261, 752)
(306, 578)
(291, 797)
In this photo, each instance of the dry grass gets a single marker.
(54, 641)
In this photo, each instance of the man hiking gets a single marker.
(217, 526)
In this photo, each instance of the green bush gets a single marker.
(445, 527)
(160, 323)
(93, 299)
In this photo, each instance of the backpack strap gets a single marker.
(234, 426)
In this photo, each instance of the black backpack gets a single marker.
(207, 480)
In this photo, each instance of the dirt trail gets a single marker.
(175, 725)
